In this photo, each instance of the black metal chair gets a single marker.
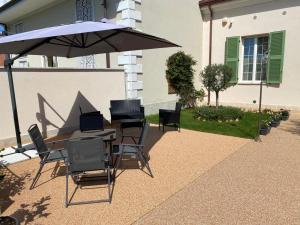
(86, 155)
(135, 150)
(46, 153)
(170, 117)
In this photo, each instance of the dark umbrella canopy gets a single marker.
(80, 39)
(73, 40)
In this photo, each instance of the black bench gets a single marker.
(126, 109)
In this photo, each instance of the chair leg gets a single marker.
(55, 169)
(38, 174)
(67, 189)
(118, 164)
(145, 162)
(109, 182)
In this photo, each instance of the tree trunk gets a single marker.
(217, 99)
(208, 96)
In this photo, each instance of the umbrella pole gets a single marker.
(8, 64)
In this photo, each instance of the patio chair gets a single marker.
(86, 155)
(170, 117)
(89, 121)
(126, 109)
(133, 150)
(46, 154)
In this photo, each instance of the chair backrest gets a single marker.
(178, 107)
(37, 140)
(144, 134)
(86, 154)
(119, 106)
(91, 121)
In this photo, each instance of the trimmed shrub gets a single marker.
(222, 113)
(180, 74)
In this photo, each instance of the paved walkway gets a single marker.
(176, 159)
(258, 184)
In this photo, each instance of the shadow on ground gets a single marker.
(10, 186)
(293, 127)
(27, 213)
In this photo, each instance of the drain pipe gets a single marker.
(210, 45)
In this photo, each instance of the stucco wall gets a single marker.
(180, 22)
(270, 17)
(51, 98)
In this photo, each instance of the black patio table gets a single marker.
(108, 135)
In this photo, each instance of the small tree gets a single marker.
(217, 77)
(180, 74)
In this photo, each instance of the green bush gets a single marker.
(222, 113)
(180, 74)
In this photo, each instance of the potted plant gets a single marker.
(264, 128)
(285, 114)
(275, 120)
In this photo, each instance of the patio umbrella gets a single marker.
(73, 40)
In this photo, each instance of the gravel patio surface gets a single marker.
(258, 184)
(178, 161)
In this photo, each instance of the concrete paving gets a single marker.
(199, 178)
(176, 159)
(257, 185)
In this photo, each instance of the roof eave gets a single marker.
(203, 3)
(9, 4)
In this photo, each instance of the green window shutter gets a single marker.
(232, 56)
(275, 59)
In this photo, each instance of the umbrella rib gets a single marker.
(103, 38)
(78, 41)
(70, 47)
(66, 42)
(61, 44)
(82, 39)
(26, 51)
(85, 40)
(107, 42)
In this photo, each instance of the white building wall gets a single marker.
(180, 22)
(63, 12)
(254, 18)
(51, 98)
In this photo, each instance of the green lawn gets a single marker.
(245, 128)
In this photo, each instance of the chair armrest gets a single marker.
(167, 111)
(132, 145)
(50, 150)
(142, 109)
(54, 142)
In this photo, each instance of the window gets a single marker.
(19, 28)
(254, 64)
(22, 61)
(49, 61)
(256, 58)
